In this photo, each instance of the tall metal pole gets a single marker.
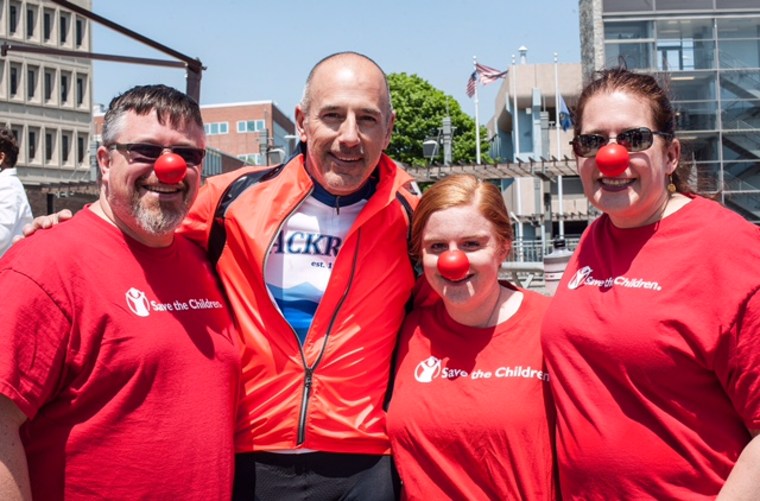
(515, 117)
(560, 210)
(477, 117)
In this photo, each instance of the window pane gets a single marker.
(627, 5)
(47, 25)
(30, 22)
(635, 56)
(48, 146)
(683, 4)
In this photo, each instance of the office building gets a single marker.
(45, 97)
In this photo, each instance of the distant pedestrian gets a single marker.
(14, 206)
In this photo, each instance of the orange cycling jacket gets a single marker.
(326, 395)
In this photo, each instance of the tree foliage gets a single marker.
(420, 109)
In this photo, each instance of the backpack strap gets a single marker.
(217, 237)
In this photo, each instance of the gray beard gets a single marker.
(162, 220)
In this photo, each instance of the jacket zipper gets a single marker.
(309, 371)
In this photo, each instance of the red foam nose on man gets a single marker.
(170, 168)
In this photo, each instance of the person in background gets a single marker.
(653, 336)
(120, 367)
(471, 416)
(14, 206)
(317, 271)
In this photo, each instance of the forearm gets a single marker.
(744, 481)
(14, 474)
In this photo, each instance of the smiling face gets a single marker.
(638, 196)
(131, 195)
(345, 122)
(466, 229)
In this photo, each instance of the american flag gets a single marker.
(471, 83)
(489, 75)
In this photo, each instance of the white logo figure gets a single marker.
(580, 277)
(427, 370)
(137, 302)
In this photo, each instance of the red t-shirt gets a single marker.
(471, 415)
(124, 359)
(653, 344)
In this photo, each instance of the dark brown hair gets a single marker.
(9, 146)
(646, 88)
(170, 105)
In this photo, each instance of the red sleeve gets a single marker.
(741, 375)
(34, 337)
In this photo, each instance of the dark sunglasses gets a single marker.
(149, 153)
(633, 140)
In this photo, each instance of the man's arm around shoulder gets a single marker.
(14, 474)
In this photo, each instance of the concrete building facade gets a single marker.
(46, 99)
(525, 128)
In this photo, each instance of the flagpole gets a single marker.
(560, 210)
(477, 115)
(515, 118)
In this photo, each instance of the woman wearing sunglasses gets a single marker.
(653, 337)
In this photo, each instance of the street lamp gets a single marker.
(430, 145)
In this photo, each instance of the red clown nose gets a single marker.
(170, 168)
(453, 265)
(612, 160)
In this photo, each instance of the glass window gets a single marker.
(696, 115)
(683, 4)
(64, 88)
(48, 146)
(627, 30)
(735, 4)
(635, 56)
(685, 45)
(14, 80)
(739, 55)
(48, 90)
(80, 31)
(738, 28)
(627, 5)
(739, 112)
(13, 13)
(31, 22)
(65, 147)
(251, 125)
(80, 90)
(47, 25)
(32, 146)
(64, 27)
(81, 150)
(31, 82)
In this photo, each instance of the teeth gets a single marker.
(161, 189)
(615, 181)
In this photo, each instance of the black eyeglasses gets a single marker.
(149, 153)
(633, 140)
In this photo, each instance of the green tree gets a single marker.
(420, 108)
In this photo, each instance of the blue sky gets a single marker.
(263, 50)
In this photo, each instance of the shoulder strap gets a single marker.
(217, 237)
(404, 201)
